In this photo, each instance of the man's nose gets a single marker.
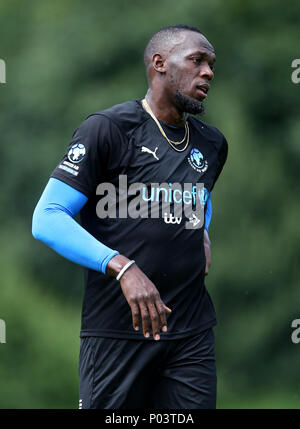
(206, 72)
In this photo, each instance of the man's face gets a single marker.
(189, 67)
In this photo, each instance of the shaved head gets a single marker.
(164, 40)
(179, 63)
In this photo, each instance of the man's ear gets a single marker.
(158, 63)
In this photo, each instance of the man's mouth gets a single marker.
(203, 89)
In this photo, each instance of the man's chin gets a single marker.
(188, 104)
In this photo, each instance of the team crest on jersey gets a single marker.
(197, 161)
(76, 153)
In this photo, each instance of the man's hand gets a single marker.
(207, 251)
(142, 297)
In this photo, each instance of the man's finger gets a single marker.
(161, 309)
(155, 321)
(168, 310)
(135, 313)
(145, 318)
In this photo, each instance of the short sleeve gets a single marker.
(84, 163)
(222, 157)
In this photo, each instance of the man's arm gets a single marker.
(222, 157)
(208, 215)
(54, 225)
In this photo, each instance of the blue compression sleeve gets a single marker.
(54, 225)
(208, 214)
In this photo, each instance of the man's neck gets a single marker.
(164, 109)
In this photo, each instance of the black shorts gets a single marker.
(129, 374)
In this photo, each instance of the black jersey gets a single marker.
(125, 142)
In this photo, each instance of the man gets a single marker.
(159, 260)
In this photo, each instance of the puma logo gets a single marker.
(146, 149)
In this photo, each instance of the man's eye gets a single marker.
(196, 60)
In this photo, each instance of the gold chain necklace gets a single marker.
(171, 142)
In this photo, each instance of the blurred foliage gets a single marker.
(66, 59)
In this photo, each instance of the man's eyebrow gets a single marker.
(211, 56)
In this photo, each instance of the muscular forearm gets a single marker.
(54, 225)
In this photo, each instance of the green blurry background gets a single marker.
(68, 58)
